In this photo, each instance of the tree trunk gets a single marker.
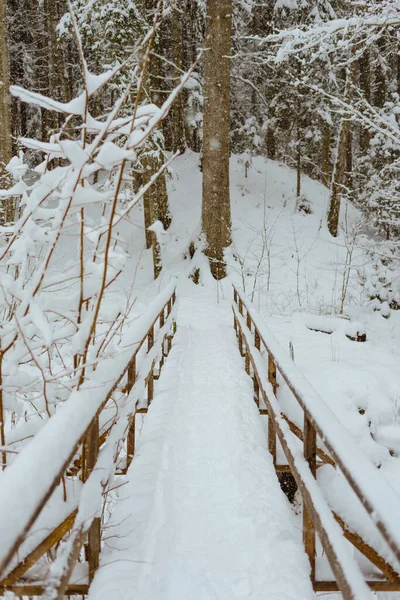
(326, 154)
(338, 178)
(381, 87)
(216, 213)
(298, 166)
(5, 112)
(341, 159)
(177, 109)
(5, 100)
(271, 143)
(155, 209)
(365, 85)
(155, 202)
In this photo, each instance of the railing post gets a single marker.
(247, 360)
(94, 534)
(240, 306)
(310, 454)
(130, 441)
(162, 323)
(257, 343)
(150, 382)
(131, 374)
(240, 342)
(271, 427)
(235, 295)
(169, 338)
(248, 321)
(247, 351)
(150, 387)
(257, 339)
(150, 338)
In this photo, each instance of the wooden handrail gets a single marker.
(254, 336)
(45, 442)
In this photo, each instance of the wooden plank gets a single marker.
(94, 534)
(298, 432)
(150, 388)
(130, 442)
(162, 318)
(256, 390)
(131, 375)
(247, 362)
(38, 589)
(150, 338)
(272, 373)
(282, 469)
(257, 339)
(53, 538)
(377, 586)
(369, 552)
(310, 454)
(271, 426)
(248, 321)
(272, 439)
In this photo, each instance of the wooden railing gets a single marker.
(142, 358)
(269, 366)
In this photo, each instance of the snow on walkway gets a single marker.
(202, 516)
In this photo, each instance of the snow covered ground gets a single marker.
(202, 516)
(300, 279)
(294, 271)
(198, 520)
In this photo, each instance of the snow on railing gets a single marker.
(28, 483)
(375, 494)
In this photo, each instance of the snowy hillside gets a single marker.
(295, 272)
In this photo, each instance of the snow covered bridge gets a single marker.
(157, 479)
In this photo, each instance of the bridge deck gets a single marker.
(201, 515)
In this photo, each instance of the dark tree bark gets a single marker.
(338, 178)
(216, 213)
(177, 109)
(326, 154)
(342, 157)
(365, 85)
(5, 111)
(156, 207)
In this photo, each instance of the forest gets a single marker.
(199, 208)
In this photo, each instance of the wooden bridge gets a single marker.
(55, 497)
